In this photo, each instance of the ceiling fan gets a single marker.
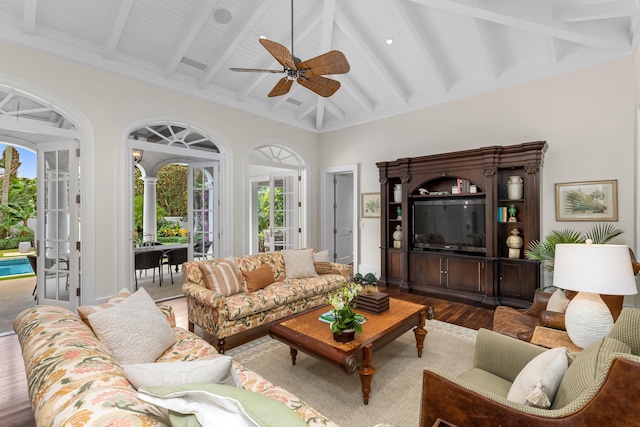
(308, 73)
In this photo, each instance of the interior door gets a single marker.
(203, 218)
(343, 218)
(58, 224)
(284, 210)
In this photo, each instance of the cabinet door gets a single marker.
(465, 274)
(518, 279)
(426, 269)
(394, 264)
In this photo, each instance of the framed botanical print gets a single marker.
(587, 201)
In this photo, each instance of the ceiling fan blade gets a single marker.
(280, 53)
(321, 85)
(282, 87)
(255, 70)
(333, 62)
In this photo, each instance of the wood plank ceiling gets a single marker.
(442, 49)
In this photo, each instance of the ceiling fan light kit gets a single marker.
(309, 74)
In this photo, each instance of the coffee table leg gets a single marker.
(293, 352)
(420, 333)
(366, 372)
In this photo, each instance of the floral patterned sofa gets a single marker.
(223, 316)
(74, 380)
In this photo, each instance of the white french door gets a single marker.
(204, 197)
(58, 224)
(284, 210)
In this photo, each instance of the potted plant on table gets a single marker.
(346, 322)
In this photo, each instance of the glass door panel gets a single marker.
(58, 230)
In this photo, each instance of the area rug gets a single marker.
(397, 384)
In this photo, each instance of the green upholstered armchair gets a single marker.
(599, 388)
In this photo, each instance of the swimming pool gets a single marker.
(15, 267)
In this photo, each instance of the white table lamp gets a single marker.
(592, 270)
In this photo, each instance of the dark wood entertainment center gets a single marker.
(482, 273)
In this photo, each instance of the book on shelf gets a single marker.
(503, 215)
(463, 185)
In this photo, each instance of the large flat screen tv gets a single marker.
(450, 224)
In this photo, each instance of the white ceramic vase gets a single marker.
(515, 187)
(397, 193)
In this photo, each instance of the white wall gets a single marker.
(110, 102)
(587, 117)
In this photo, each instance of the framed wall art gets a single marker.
(370, 205)
(587, 201)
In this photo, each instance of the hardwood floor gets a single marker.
(15, 408)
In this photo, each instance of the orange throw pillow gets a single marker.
(258, 278)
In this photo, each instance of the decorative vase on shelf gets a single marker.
(397, 193)
(514, 187)
(397, 237)
(347, 335)
(514, 242)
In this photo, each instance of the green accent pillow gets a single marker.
(265, 411)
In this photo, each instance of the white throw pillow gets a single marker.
(298, 263)
(135, 330)
(558, 302)
(321, 256)
(219, 370)
(538, 382)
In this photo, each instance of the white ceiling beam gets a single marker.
(537, 18)
(306, 109)
(346, 84)
(193, 27)
(328, 13)
(117, 28)
(333, 109)
(481, 50)
(596, 11)
(29, 17)
(244, 28)
(408, 27)
(369, 55)
(320, 113)
(277, 102)
(551, 51)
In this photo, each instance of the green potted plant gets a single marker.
(346, 322)
(545, 250)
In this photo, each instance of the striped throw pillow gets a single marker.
(221, 278)
(85, 310)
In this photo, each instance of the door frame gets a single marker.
(182, 155)
(326, 213)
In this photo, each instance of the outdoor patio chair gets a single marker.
(149, 259)
(175, 257)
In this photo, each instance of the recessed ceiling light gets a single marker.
(389, 41)
(262, 37)
(222, 16)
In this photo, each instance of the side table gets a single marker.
(553, 338)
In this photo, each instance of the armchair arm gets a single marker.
(540, 300)
(502, 355)
(204, 296)
(455, 402)
(552, 319)
(345, 270)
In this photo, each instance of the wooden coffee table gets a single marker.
(306, 333)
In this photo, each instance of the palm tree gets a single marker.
(545, 250)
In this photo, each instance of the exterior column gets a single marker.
(149, 223)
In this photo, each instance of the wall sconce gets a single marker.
(137, 155)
